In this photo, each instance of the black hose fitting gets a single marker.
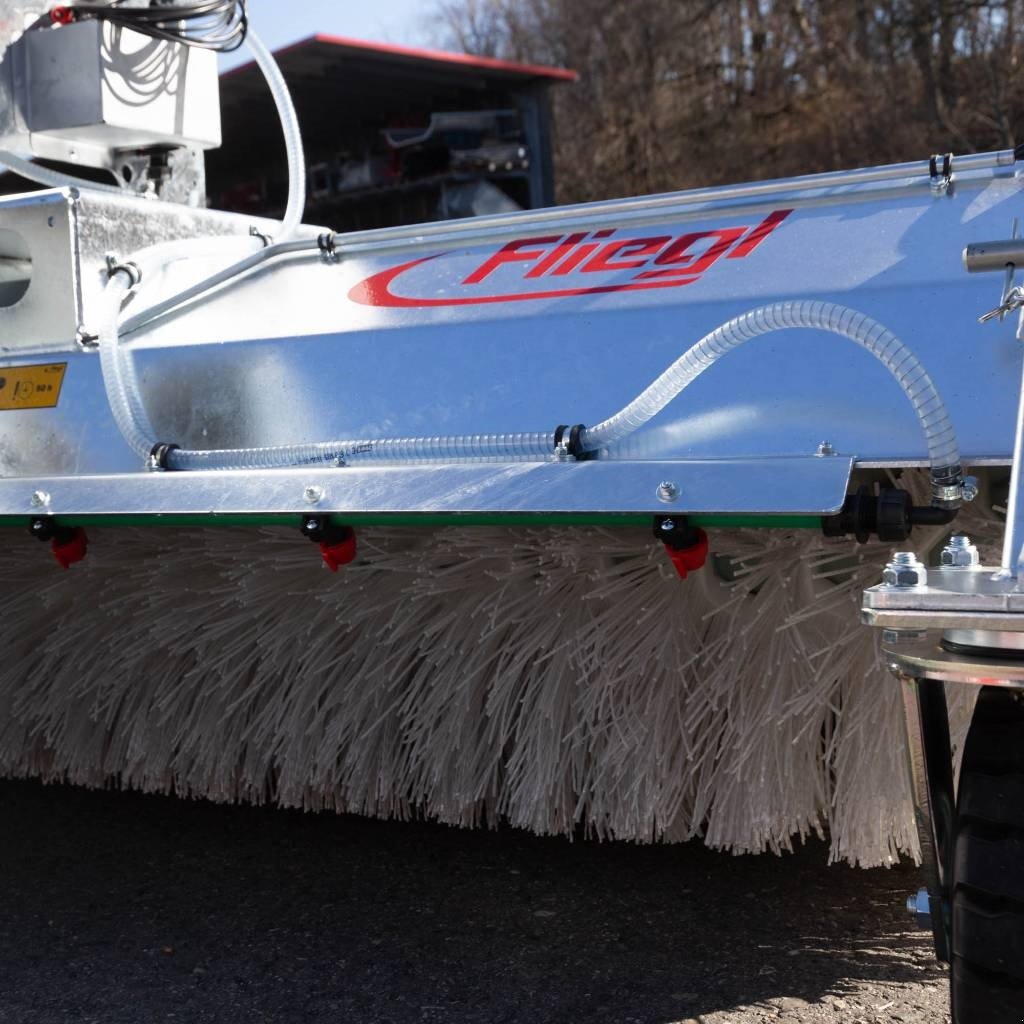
(159, 452)
(891, 515)
(573, 444)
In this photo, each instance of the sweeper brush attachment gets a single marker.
(645, 628)
(555, 679)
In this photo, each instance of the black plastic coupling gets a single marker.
(886, 514)
(321, 530)
(677, 532)
(890, 515)
(685, 544)
(932, 515)
(337, 543)
(159, 452)
(572, 442)
(45, 528)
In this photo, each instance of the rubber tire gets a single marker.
(987, 970)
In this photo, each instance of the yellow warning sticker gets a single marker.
(31, 387)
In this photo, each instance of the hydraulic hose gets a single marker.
(292, 135)
(119, 378)
(118, 368)
(943, 452)
(940, 437)
(518, 447)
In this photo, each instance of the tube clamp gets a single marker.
(114, 266)
(571, 443)
(158, 455)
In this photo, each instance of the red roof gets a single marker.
(418, 55)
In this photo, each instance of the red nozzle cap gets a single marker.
(687, 560)
(337, 555)
(62, 16)
(73, 550)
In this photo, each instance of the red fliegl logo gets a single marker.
(561, 264)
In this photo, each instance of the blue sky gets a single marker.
(389, 21)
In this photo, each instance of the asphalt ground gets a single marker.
(117, 907)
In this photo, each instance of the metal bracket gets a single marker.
(930, 765)
(940, 170)
(1004, 256)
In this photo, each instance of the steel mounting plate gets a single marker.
(926, 659)
(768, 486)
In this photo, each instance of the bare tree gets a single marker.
(680, 93)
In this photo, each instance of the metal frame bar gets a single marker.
(930, 768)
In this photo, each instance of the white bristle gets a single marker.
(555, 679)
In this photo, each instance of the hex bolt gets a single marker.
(667, 491)
(959, 553)
(826, 448)
(668, 525)
(313, 494)
(40, 499)
(969, 488)
(905, 569)
(312, 524)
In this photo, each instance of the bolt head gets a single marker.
(40, 499)
(959, 553)
(969, 490)
(313, 494)
(826, 448)
(905, 570)
(668, 525)
(667, 491)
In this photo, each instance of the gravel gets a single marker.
(117, 907)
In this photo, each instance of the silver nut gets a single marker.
(667, 491)
(970, 488)
(959, 553)
(313, 494)
(905, 570)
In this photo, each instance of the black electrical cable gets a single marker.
(219, 25)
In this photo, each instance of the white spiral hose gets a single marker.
(905, 367)
(129, 411)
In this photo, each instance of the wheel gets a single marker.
(987, 877)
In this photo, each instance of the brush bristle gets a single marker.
(553, 679)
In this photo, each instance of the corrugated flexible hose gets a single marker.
(943, 453)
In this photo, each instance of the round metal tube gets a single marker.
(982, 257)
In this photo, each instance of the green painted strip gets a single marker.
(782, 522)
